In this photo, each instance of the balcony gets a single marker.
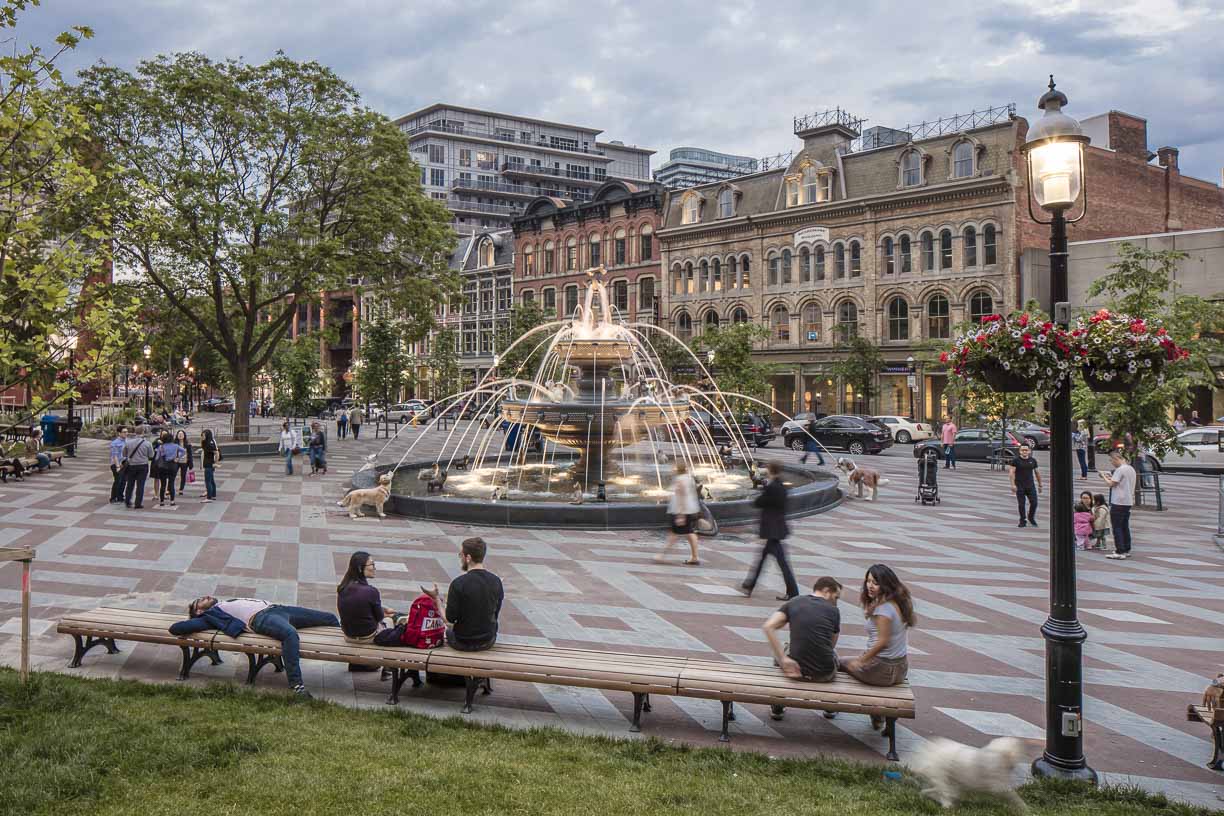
(505, 210)
(502, 188)
(468, 129)
(540, 171)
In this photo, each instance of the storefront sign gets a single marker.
(810, 234)
(895, 368)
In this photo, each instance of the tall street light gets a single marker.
(148, 353)
(1055, 154)
(71, 342)
(911, 383)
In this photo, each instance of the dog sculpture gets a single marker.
(461, 463)
(375, 497)
(1213, 697)
(436, 483)
(954, 769)
(425, 474)
(758, 476)
(499, 492)
(860, 476)
(578, 497)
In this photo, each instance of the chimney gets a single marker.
(1167, 157)
(1128, 135)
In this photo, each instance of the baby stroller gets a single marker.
(928, 479)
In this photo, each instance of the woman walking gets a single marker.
(188, 464)
(211, 455)
(342, 424)
(889, 611)
(289, 445)
(683, 510)
(1079, 443)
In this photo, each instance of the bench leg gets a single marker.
(193, 653)
(398, 676)
(1217, 758)
(83, 647)
(728, 716)
(255, 664)
(646, 703)
(486, 687)
(470, 686)
(639, 701)
(890, 731)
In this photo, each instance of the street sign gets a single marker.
(912, 382)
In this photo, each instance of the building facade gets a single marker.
(693, 166)
(488, 166)
(892, 239)
(557, 241)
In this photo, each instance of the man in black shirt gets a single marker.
(473, 603)
(1026, 484)
(815, 625)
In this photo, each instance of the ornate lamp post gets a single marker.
(1055, 154)
(148, 375)
(910, 383)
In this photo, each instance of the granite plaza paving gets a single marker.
(977, 657)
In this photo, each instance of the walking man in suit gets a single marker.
(774, 529)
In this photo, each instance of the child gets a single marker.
(1100, 520)
(1083, 525)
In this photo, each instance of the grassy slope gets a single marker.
(70, 746)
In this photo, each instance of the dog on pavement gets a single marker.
(861, 476)
(375, 497)
(953, 769)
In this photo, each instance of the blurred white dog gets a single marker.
(954, 769)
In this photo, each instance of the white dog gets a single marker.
(954, 769)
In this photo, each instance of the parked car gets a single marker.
(1202, 452)
(221, 405)
(975, 445)
(1034, 435)
(798, 422)
(905, 430)
(756, 429)
(406, 411)
(847, 432)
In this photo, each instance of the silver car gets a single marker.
(1202, 452)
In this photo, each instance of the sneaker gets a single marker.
(1117, 556)
(206, 500)
(1022, 523)
(300, 693)
(1032, 523)
(161, 506)
(172, 504)
(745, 591)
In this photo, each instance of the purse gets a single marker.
(191, 477)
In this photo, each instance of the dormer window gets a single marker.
(811, 181)
(911, 169)
(726, 203)
(962, 159)
(792, 192)
(486, 253)
(691, 212)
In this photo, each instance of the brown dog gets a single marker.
(1213, 697)
(860, 476)
(375, 496)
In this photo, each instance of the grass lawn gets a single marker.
(73, 746)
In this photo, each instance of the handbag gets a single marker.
(191, 477)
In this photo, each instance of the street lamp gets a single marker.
(1055, 154)
(148, 352)
(911, 383)
(70, 340)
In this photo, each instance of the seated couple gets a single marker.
(815, 625)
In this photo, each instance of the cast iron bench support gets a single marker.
(398, 677)
(470, 686)
(83, 647)
(193, 653)
(256, 663)
(641, 702)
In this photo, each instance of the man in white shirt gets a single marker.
(1121, 498)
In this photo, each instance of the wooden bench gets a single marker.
(1213, 718)
(638, 674)
(28, 461)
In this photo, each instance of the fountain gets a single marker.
(573, 454)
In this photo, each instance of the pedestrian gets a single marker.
(1195, 422)
(289, 446)
(1100, 520)
(356, 418)
(169, 457)
(774, 530)
(1179, 424)
(342, 424)
(116, 463)
(815, 625)
(1079, 443)
(474, 601)
(683, 510)
(947, 435)
(889, 613)
(254, 407)
(810, 445)
(1082, 517)
(210, 454)
(187, 467)
(1025, 484)
(317, 446)
(137, 454)
(1121, 498)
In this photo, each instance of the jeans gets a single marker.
(1119, 520)
(167, 481)
(1029, 493)
(356, 431)
(341, 429)
(288, 461)
(775, 548)
(808, 451)
(1082, 455)
(44, 461)
(182, 476)
(282, 623)
(135, 483)
(949, 456)
(210, 483)
(317, 462)
(117, 483)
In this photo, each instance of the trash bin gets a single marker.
(48, 428)
(67, 432)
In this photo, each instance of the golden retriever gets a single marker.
(375, 496)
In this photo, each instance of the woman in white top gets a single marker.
(289, 445)
(683, 510)
(889, 611)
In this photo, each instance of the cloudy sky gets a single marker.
(728, 76)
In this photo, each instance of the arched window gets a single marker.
(847, 320)
(620, 255)
(811, 322)
(889, 260)
(677, 280)
(703, 282)
(726, 203)
(786, 266)
(911, 169)
(528, 260)
(980, 305)
(746, 272)
(810, 184)
(805, 266)
(939, 324)
(690, 286)
(733, 273)
(962, 160)
(839, 261)
(486, 253)
(716, 280)
(779, 320)
(907, 265)
(548, 258)
(646, 242)
(856, 259)
(928, 252)
(989, 256)
(773, 270)
(820, 263)
(945, 249)
(593, 251)
(792, 192)
(684, 326)
(571, 300)
(898, 319)
(739, 315)
(711, 319)
(692, 210)
(527, 296)
(970, 240)
(571, 255)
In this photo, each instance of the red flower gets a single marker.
(943, 357)
(1024, 320)
(991, 318)
(1161, 331)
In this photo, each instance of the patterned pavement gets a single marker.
(979, 582)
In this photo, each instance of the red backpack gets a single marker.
(425, 628)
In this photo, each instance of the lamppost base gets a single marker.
(1049, 768)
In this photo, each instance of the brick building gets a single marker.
(893, 235)
(556, 241)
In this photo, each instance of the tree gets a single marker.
(734, 371)
(675, 357)
(297, 376)
(1141, 284)
(522, 360)
(384, 367)
(53, 241)
(859, 367)
(245, 190)
(444, 364)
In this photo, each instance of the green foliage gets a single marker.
(675, 357)
(383, 367)
(1141, 284)
(53, 233)
(444, 364)
(861, 364)
(252, 188)
(296, 374)
(979, 404)
(734, 370)
(523, 360)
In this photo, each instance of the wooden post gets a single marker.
(25, 555)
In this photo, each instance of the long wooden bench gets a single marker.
(28, 461)
(638, 674)
(1213, 718)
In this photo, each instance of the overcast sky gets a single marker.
(728, 76)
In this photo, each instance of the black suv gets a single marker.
(756, 430)
(845, 432)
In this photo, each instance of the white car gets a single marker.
(1202, 452)
(406, 411)
(798, 423)
(905, 430)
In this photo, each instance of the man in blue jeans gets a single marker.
(238, 615)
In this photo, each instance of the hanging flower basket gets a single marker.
(1120, 353)
(1019, 353)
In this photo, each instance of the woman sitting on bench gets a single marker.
(889, 611)
(35, 446)
(363, 618)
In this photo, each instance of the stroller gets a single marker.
(928, 479)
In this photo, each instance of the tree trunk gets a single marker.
(242, 401)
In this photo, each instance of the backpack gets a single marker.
(424, 628)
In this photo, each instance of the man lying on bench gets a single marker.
(238, 615)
